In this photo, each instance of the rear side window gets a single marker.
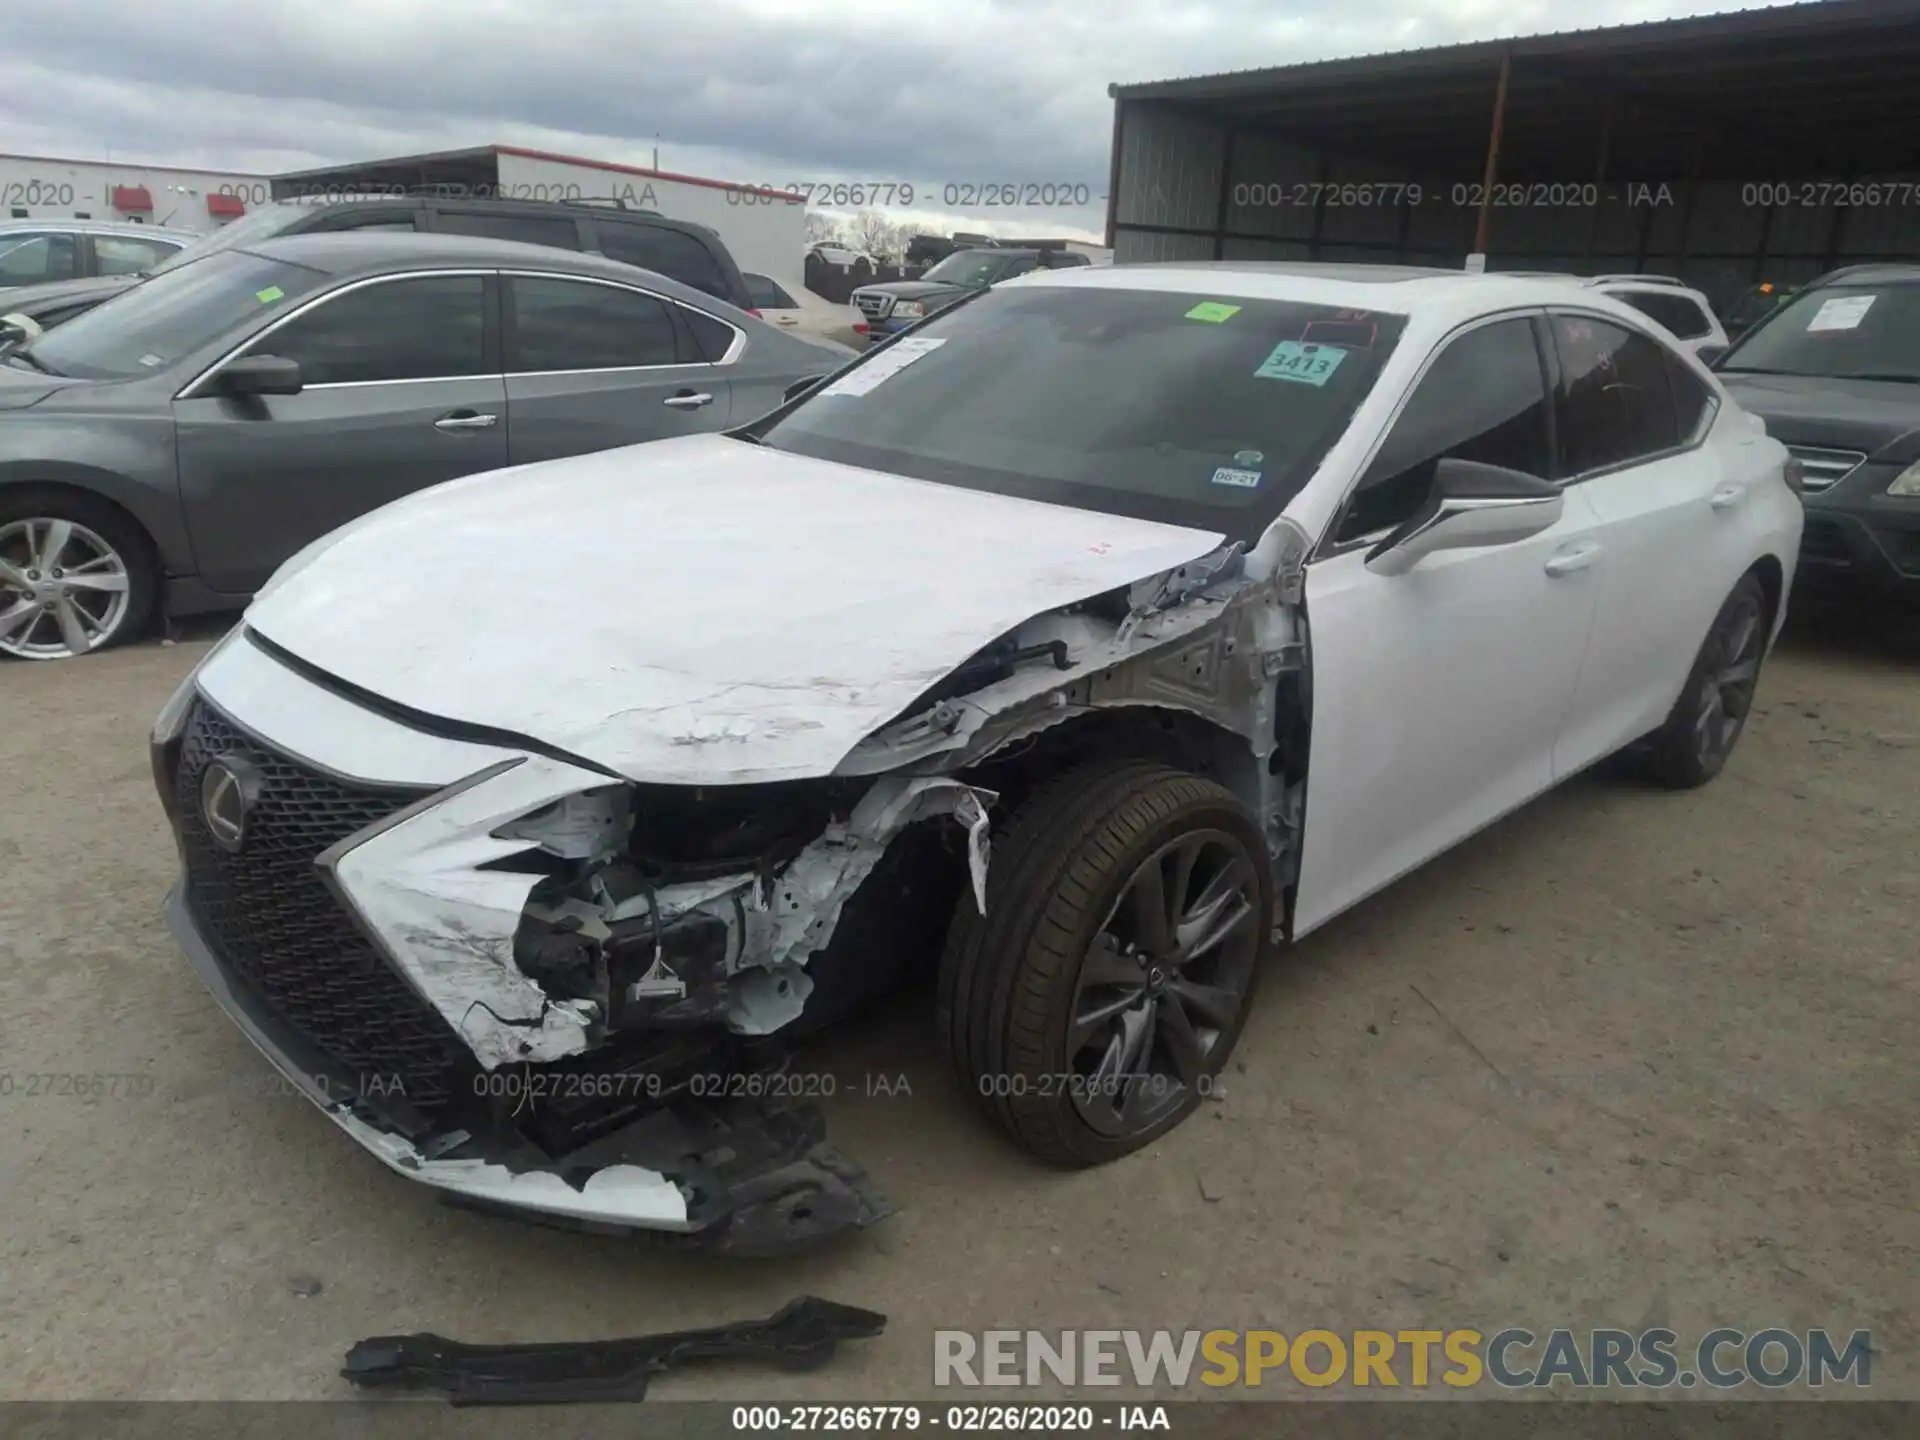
(572, 325)
(1484, 398)
(1679, 313)
(558, 231)
(425, 329)
(1614, 404)
(673, 253)
(711, 337)
(766, 294)
(1693, 399)
(31, 259)
(128, 255)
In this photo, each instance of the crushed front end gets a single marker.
(527, 982)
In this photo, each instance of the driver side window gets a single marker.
(1484, 398)
(429, 328)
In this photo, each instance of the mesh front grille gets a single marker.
(279, 931)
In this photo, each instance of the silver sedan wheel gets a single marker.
(63, 589)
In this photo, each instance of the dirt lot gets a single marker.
(1628, 1058)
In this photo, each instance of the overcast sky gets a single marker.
(763, 91)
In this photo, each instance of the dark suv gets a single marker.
(692, 254)
(1835, 373)
(888, 308)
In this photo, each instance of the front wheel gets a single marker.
(1707, 720)
(75, 576)
(1129, 908)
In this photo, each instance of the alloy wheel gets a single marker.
(63, 589)
(1726, 695)
(1163, 983)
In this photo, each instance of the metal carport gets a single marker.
(1728, 149)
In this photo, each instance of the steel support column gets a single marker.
(1481, 229)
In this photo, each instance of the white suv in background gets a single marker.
(1667, 301)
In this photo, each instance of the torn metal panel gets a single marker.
(821, 881)
(448, 925)
(1037, 696)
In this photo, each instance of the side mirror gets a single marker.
(261, 375)
(801, 387)
(1470, 505)
(19, 327)
(1709, 355)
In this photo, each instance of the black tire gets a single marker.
(1009, 981)
(127, 540)
(1693, 746)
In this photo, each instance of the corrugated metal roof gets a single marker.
(1710, 25)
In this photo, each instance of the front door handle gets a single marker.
(466, 420)
(1573, 558)
(687, 400)
(1728, 496)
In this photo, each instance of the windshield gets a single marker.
(1170, 407)
(259, 224)
(171, 316)
(973, 268)
(1839, 332)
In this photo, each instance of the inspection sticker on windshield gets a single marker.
(1843, 312)
(1213, 312)
(1307, 364)
(270, 294)
(1244, 479)
(888, 363)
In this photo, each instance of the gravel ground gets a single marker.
(1627, 1058)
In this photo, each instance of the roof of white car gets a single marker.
(1395, 289)
(11, 229)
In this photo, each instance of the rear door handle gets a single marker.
(466, 420)
(1573, 557)
(687, 400)
(1728, 496)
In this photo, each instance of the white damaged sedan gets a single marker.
(1086, 644)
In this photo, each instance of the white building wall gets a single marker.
(46, 188)
(766, 234)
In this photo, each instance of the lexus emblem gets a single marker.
(228, 788)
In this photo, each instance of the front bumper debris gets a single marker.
(738, 1177)
(801, 1336)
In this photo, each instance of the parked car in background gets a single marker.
(188, 436)
(888, 308)
(924, 251)
(801, 312)
(34, 252)
(1685, 312)
(679, 249)
(1095, 638)
(1835, 373)
(1754, 306)
(855, 262)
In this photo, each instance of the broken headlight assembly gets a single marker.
(666, 908)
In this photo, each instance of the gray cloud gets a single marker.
(771, 91)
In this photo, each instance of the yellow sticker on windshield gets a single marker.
(270, 294)
(1213, 312)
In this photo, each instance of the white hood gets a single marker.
(693, 611)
